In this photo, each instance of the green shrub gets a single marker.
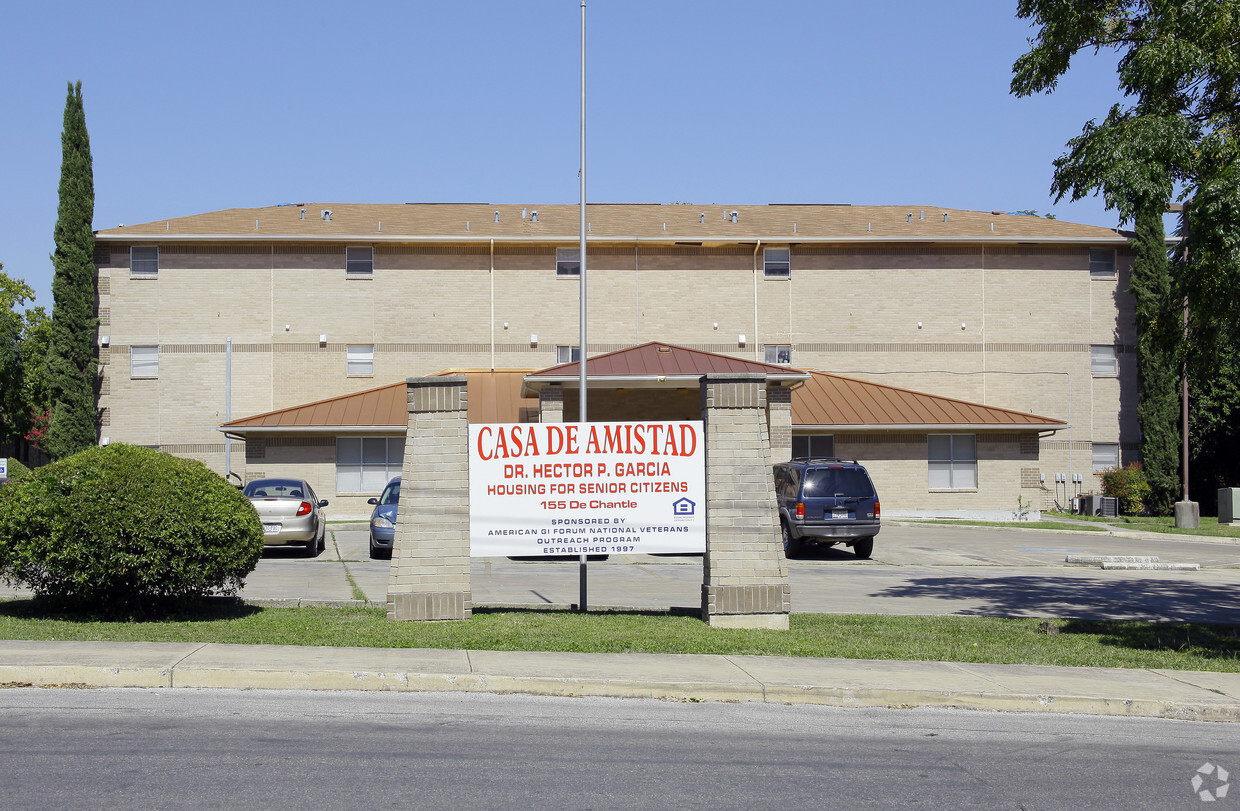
(126, 530)
(16, 469)
(1128, 484)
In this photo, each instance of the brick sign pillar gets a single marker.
(745, 580)
(551, 404)
(429, 574)
(779, 422)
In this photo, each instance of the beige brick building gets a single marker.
(318, 300)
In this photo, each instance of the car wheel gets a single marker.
(792, 546)
(863, 548)
(312, 548)
(374, 553)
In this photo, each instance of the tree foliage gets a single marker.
(1176, 136)
(23, 350)
(71, 363)
(1158, 371)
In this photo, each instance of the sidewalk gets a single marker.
(779, 680)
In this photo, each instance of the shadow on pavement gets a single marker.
(1147, 599)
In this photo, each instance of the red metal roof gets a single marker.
(656, 359)
(829, 400)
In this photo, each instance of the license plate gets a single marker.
(839, 513)
(271, 529)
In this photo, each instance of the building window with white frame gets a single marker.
(144, 361)
(366, 464)
(1103, 361)
(360, 360)
(1102, 263)
(568, 262)
(567, 354)
(359, 263)
(953, 461)
(778, 353)
(777, 263)
(815, 446)
(143, 262)
(1106, 456)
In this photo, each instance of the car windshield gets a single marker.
(391, 495)
(837, 481)
(274, 488)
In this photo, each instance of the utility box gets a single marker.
(1228, 503)
(1108, 507)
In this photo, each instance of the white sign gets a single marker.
(599, 488)
(4, 467)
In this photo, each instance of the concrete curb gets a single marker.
(672, 677)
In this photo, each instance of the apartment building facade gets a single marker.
(286, 305)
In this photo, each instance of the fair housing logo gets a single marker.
(1220, 783)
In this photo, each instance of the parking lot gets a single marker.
(916, 569)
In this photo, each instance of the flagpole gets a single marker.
(581, 352)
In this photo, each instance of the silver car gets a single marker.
(291, 513)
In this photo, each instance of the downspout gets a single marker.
(492, 304)
(637, 294)
(757, 247)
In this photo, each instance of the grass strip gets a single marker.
(968, 522)
(1071, 642)
(1148, 523)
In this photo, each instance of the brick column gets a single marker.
(745, 580)
(779, 422)
(551, 404)
(429, 574)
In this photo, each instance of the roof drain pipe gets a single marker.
(757, 247)
(492, 305)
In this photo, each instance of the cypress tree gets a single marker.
(71, 361)
(1158, 373)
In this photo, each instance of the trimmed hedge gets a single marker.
(16, 469)
(124, 529)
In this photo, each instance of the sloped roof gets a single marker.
(832, 401)
(496, 397)
(672, 223)
(657, 362)
(825, 401)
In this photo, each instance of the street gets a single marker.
(282, 749)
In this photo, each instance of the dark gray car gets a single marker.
(826, 501)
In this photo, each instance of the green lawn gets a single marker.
(1209, 525)
(1005, 524)
(958, 639)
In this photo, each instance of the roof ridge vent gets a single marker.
(326, 214)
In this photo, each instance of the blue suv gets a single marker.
(826, 501)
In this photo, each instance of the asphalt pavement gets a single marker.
(935, 568)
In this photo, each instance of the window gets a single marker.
(143, 263)
(1102, 262)
(1103, 361)
(359, 262)
(567, 354)
(777, 263)
(360, 360)
(366, 464)
(1106, 455)
(567, 261)
(818, 446)
(144, 361)
(778, 353)
(953, 461)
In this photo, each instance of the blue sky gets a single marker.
(205, 106)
